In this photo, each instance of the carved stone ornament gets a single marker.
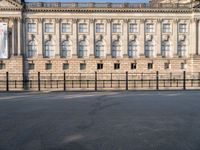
(181, 38)
(149, 37)
(99, 37)
(132, 37)
(115, 37)
(165, 37)
(82, 38)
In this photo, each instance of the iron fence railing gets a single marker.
(99, 81)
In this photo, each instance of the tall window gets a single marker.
(32, 49)
(82, 27)
(149, 49)
(82, 49)
(132, 49)
(165, 49)
(181, 49)
(48, 49)
(149, 27)
(116, 49)
(132, 28)
(99, 49)
(116, 28)
(182, 28)
(65, 49)
(49, 27)
(32, 27)
(166, 28)
(66, 28)
(99, 27)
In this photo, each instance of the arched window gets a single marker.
(65, 49)
(181, 49)
(165, 49)
(82, 49)
(149, 49)
(116, 49)
(99, 49)
(132, 49)
(48, 49)
(32, 50)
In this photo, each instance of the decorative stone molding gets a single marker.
(74, 20)
(181, 37)
(82, 37)
(165, 37)
(99, 37)
(109, 20)
(149, 37)
(126, 20)
(92, 20)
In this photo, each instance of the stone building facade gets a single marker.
(54, 37)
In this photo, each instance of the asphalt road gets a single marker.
(100, 121)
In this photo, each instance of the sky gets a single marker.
(113, 1)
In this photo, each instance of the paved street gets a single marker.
(146, 120)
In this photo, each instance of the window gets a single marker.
(31, 66)
(116, 66)
(32, 27)
(182, 28)
(132, 28)
(65, 66)
(132, 49)
(82, 66)
(2, 66)
(116, 49)
(66, 28)
(133, 66)
(82, 49)
(165, 49)
(99, 49)
(181, 49)
(149, 28)
(167, 65)
(150, 65)
(32, 49)
(49, 27)
(183, 65)
(65, 49)
(48, 66)
(48, 49)
(116, 28)
(149, 49)
(166, 28)
(82, 27)
(99, 27)
(99, 66)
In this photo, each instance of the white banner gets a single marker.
(3, 40)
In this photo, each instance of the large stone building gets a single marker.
(53, 37)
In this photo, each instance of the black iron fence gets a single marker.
(100, 81)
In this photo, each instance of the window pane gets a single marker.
(116, 28)
(49, 27)
(82, 27)
(32, 27)
(99, 27)
(149, 28)
(66, 27)
(132, 28)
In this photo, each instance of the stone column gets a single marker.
(57, 32)
(19, 36)
(40, 37)
(75, 37)
(14, 37)
(91, 38)
(193, 50)
(175, 36)
(125, 38)
(109, 37)
(159, 37)
(142, 37)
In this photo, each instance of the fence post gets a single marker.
(126, 80)
(95, 81)
(38, 81)
(157, 80)
(7, 81)
(184, 80)
(64, 86)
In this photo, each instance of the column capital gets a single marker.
(57, 20)
(74, 20)
(109, 20)
(92, 20)
(40, 20)
(126, 20)
(143, 20)
(194, 20)
(176, 20)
